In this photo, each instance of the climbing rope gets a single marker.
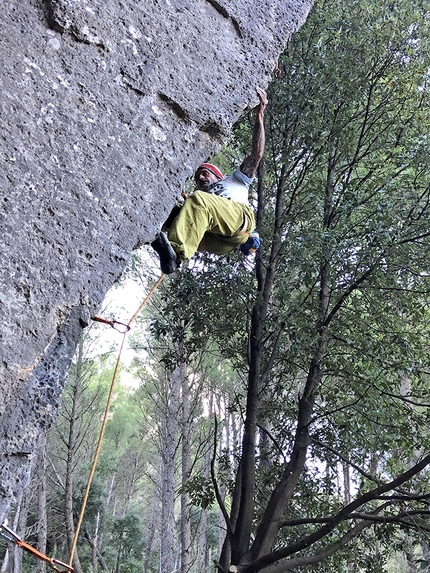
(125, 328)
(12, 537)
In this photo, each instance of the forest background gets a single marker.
(275, 411)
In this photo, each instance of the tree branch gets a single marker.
(346, 460)
(338, 518)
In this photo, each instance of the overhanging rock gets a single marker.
(107, 107)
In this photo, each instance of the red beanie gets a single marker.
(212, 168)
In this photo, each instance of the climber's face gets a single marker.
(204, 179)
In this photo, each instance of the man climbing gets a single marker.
(217, 217)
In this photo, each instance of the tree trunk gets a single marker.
(20, 520)
(186, 469)
(42, 525)
(202, 558)
(70, 463)
(425, 549)
(168, 454)
(243, 499)
(96, 556)
(346, 483)
(93, 541)
(268, 529)
(202, 542)
(151, 529)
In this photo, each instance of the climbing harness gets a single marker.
(12, 537)
(109, 400)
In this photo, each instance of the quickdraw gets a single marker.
(119, 326)
(55, 564)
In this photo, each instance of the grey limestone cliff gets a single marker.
(107, 107)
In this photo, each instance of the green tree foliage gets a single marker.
(336, 358)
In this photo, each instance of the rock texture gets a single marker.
(107, 107)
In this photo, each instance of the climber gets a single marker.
(217, 217)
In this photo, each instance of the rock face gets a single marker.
(108, 106)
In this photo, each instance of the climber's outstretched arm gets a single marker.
(250, 163)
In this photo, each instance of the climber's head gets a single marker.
(206, 175)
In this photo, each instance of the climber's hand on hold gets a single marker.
(263, 100)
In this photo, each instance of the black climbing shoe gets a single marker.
(167, 255)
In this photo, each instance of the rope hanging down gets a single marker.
(12, 537)
(124, 330)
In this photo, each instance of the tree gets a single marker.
(340, 313)
(42, 525)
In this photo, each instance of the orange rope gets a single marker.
(105, 417)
